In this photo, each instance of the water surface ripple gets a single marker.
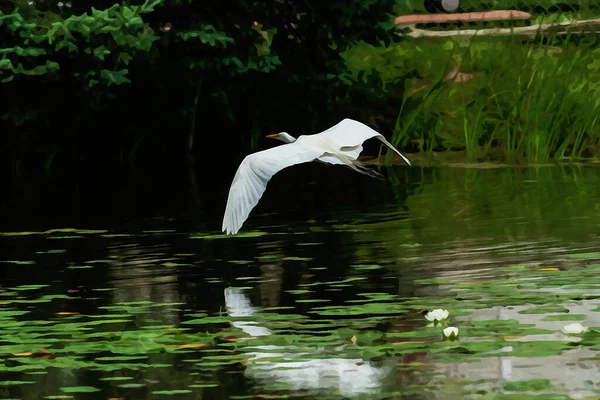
(322, 294)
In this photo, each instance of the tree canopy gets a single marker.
(85, 76)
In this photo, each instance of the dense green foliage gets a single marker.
(74, 60)
(97, 82)
(50, 37)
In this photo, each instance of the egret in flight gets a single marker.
(340, 144)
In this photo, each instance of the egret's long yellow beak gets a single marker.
(273, 136)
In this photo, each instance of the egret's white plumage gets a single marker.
(340, 144)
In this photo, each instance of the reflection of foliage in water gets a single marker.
(502, 204)
(144, 312)
(127, 347)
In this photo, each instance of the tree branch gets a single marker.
(561, 28)
(192, 131)
(497, 15)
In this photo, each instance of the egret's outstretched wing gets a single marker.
(252, 176)
(350, 133)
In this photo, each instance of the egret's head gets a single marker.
(283, 136)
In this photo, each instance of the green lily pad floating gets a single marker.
(29, 287)
(585, 256)
(117, 367)
(298, 291)
(11, 313)
(565, 317)
(133, 303)
(116, 235)
(378, 296)
(106, 321)
(239, 235)
(117, 378)
(204, 385)
(131, 385)
(174, 264)
(51, 231)
(18, 262)
(241, 262)
(15, 383)
(110, 316)
(545, 309)
(79, 389)
(43, 299)
(207, 320)
(172, 392)
(55, 251)
(312, 300)
(434, 281)
(210, 364)
(278, 308)
(528, 385)
(366, 267)
(122, 358)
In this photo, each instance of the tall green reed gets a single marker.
(499, 98)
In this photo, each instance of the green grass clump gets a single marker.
(512, 99)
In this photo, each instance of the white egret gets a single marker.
(340, 144)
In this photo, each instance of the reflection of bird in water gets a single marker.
(238, 305)
(339, 145)
(277, 365)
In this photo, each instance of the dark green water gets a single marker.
(322, 298)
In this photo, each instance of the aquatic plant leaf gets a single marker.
(79, 389)
(15, 383)
(131, 385)
(171, 392)
(527, 385)
(565, 317)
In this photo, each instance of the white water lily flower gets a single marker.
(574, 329)
(451, 332)
(437, 315)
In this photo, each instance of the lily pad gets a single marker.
(172, 392)
(79, 389)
